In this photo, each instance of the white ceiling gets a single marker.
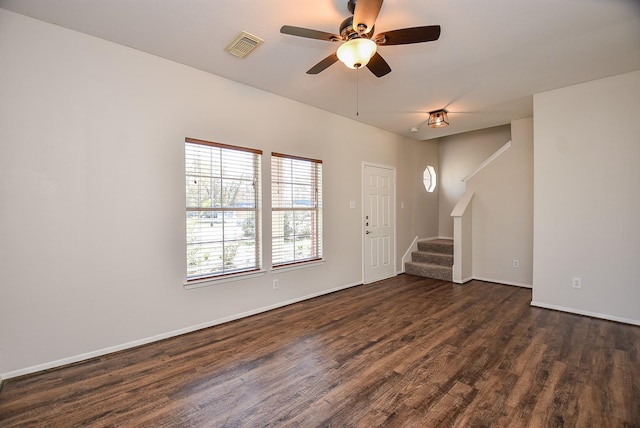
(492, 55)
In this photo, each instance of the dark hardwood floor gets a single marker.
(405, 352)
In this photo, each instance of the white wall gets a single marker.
(458, 156)
(503, 212)
(92, 189)
(420, 210)
(587, 198)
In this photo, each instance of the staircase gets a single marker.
(434, 259)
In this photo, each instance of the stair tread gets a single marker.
(432, 253)
(437, 246)
(427, 264)
(429, 270)
(433, 259)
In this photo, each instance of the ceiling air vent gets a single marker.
(243, 45)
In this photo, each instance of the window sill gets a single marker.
(206, 282)
(298, 266)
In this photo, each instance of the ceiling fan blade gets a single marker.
(310, 34)
(378, 66)
(366, 13)
(325, 63)
(406, 36)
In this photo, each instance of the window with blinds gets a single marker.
(223, 209)
(296, 203)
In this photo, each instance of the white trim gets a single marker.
(207, 282)
(499, 281)
(444, 237)
(586, 313)
(431, 238)
(407, 255)
(378, 165)
(490, 159)
(462, 204)
(296, 266)
(463, 281)
(162, 336)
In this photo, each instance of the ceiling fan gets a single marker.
(360, 43)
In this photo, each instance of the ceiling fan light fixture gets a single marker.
(356, 53)
(438, 118)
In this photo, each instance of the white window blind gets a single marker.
(222, 209)
(296, 198)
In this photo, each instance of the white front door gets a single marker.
(379, 227)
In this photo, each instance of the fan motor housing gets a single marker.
(348, 32)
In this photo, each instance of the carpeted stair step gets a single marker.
(443, 246)
(434, 259)
(429, 270)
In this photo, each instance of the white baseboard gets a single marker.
(586, 313)
(144, 341)
(465, 280)
(499, 281)
(147, 340)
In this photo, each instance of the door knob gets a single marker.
(367, 232)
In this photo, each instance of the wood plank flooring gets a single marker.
(405, 352)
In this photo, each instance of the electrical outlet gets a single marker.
(516, 263)
(577, 282)
(275, 284)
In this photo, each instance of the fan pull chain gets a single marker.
(357, 92)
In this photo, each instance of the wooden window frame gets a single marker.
(314, 210)
(196, 211)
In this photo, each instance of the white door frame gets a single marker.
(365, 164)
